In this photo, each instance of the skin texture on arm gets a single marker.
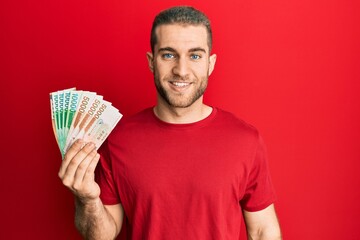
(262, 225)
(98, 221)
(93, 219)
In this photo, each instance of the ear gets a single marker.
(150, 58)
(212, 61)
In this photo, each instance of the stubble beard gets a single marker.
(179, 100)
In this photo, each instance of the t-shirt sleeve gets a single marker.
(104, 177)
(259, 191)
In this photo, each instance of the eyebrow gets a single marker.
(170, 49)
(166, 49)
(198, 49)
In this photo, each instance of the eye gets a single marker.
(168, 55)
(195, 57)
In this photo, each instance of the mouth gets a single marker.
(180, 84)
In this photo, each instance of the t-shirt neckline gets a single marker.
(183, 126)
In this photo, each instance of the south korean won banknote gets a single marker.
(77, 114)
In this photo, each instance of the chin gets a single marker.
(184, 103)
(180, 105)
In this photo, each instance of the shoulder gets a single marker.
(230, 121)
(130, 122)
(138, 118)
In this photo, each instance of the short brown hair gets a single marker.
(181, 15)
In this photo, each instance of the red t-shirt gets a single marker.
(184, 181)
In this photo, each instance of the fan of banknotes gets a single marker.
(83, 115)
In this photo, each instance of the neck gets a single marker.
(194, 113)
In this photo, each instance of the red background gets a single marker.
(291, 68)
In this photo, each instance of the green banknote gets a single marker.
(71, 110)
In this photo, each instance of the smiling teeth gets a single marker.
(180, 84)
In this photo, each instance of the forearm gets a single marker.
(263, 224)
(269, 233)
(93, 221)
(260, 236)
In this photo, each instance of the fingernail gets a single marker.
(90, 144)
(80, 142)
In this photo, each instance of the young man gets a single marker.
(179, 170)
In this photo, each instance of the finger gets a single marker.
(82, 168)
(73, 150)
(71, 168)
(90, 172)
(70, 154)
(78, 158)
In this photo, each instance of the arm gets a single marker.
(262, 225)
(93, 219)
(98, 221)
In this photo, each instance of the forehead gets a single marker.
(181, 36)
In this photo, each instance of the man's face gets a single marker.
(181, 64)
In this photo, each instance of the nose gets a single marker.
(181, 68)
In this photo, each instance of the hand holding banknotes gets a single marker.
(81, 121)
(77, 171)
